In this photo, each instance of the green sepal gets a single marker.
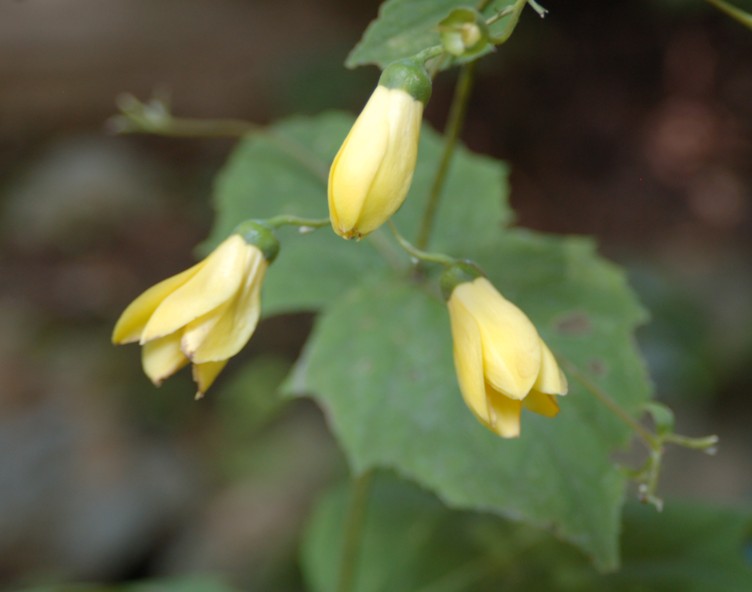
(662, 416)
(465, 33)
(259, 235)
(410, 76)
(457, 274)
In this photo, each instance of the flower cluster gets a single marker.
(206, 314)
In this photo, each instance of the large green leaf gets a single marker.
(405, 27)
(410, 540)
(688, 547)
(380, 363)
(284, 172)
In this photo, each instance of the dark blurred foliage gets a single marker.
(630, 121)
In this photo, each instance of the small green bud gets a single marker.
(460, 273)
(662, 416)
(464, 32)
(410, 76)
(259, 235)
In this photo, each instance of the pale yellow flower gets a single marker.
(502, 363)
(371, 174)
(203, 316)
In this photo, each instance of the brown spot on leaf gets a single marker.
(597, 367)
(574, 323)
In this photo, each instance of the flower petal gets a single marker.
(504, 413)
(131, 323)
(196, 331)
(162, 357)
(204, 375)
(551, 379)
(468, 358)
(395, 173)
(511, 346)
(357, 162)
(541, 403)
(216, 282)
(237, 322)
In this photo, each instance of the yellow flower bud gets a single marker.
(502, 363)
(203, 316)
(371, 174)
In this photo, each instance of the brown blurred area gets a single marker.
(628, 121)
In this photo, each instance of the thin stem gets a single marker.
(649, 487)
(419, 254)
(155, 118)
(515, 11)
(183, 127)
(705, 443)
(429, 53)
(354, 520)
(303, 223)
(542, 12)
(649, 439)
(451, 133)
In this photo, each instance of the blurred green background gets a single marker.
(628, 121)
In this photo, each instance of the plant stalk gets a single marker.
(451, 134)
(354, 521)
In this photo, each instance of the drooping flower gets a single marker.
(204, 315)
(502, 363)
(371, 174)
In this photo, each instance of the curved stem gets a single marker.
(419, 254)
(154, 117)
(451, 133)
(429, 53)
(303, 223)
(705, 443)
(356, 513)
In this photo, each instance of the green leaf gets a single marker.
(243, 405)
(689, 547)
(284, 172)
(380, 363)
(427, 546)
(405, 27)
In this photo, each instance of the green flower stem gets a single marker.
(542, 12)
(648, 488)
(302, 223)
(353, 535)
(735, 13)
(515, 11)
(706, 443)
(429, 53)
(155, 118)
(419, 254)
(454, 125)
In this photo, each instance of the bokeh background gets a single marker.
(631, 122)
